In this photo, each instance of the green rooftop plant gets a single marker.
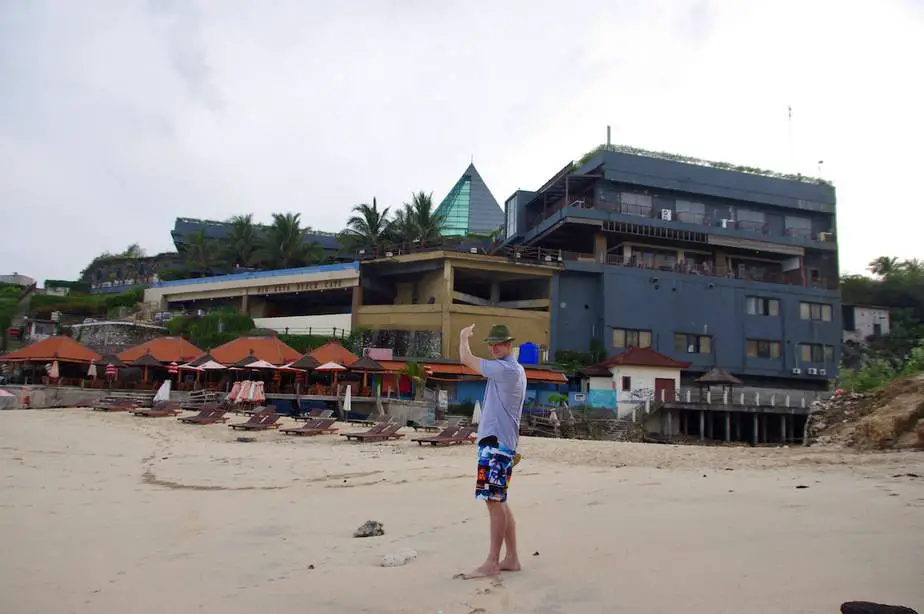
(662, 155)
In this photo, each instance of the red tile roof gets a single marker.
(268, 348)
(638, 357)
(64, 349)
(163, 349)
(334, 352)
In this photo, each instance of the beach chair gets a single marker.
(161, 409)
(317, 426)
(207, 415)
(378, 427)
(318, 413)
(260, 421)
(464, 435)
(115, 405)
(445, 434)
(389, 432)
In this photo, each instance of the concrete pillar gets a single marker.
(702, 424)
(670, 423)
(448, 350)
(756, 436)
(245, 304)
(784, 434)
(495, 292)
(727, 426)
(600, 248)
(710, 430)
(765, 435)
(357, 302)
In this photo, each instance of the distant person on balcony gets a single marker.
(498, 438)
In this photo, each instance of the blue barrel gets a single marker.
(529, 353)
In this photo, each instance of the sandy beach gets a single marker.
(109, 513)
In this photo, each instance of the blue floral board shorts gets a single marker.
(495, 467)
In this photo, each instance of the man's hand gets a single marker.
(466, 333)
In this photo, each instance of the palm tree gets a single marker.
(913, 266)
(367, 228)
(418, 222)
(884, 266)
(242, 243)
(284, 245)
(417, 374)
(199, 251)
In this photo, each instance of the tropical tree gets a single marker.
(417, 373)
(418, 221)
(242, 242)
(367, 228)
(133, 251)
(883, 266)
(199, 253)
(284, 244)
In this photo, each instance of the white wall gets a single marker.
(865, 319)
(642, 384)
(300, 325)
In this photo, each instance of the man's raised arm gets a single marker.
(465, 352)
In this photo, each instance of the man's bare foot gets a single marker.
(488, 570)
(510, 565)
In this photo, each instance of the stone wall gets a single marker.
(115, 337)
(416, 343)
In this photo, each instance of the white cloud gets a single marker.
(118, 117)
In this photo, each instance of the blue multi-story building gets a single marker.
(711, 264)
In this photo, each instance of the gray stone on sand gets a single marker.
(399, 558)
(370, 528)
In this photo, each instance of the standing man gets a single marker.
(498, 437)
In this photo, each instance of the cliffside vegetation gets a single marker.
(899, 286)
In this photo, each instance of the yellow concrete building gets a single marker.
(417, 303)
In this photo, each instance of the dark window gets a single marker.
(817, 353)
(626, 382)
(762, 348)
(758, 306)
(692, 344)
(626, 337)
(815, 311)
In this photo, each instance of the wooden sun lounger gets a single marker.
(389, 432)
(119, 405)
(260, 421)
(161, 409)
(317, 426)
(378, 427)
(446, 433)
(207, 415)
(464, 435)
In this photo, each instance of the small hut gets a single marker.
(718, 377)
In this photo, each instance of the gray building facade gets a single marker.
(720, 267)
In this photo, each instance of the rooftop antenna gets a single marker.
(609, 142)
(789, 130)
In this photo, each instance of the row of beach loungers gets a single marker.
(319, 422)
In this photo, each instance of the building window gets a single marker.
(815, 311)
(761, 348)
(758, 306)
(749, 219)
(511, 217)
(625, 337)
(798, 226)
(690, 212)
(817, 353)
(692, 344)
(626, 383)
(635, 204)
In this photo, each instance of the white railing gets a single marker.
(730, 399)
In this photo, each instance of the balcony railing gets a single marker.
(686, 217)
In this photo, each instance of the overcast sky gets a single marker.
(118, 116)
